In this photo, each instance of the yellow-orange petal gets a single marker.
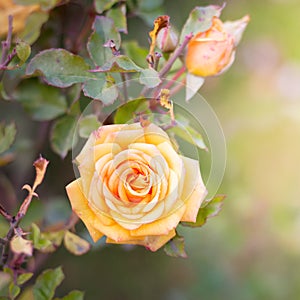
(194, 191)
(155, 135)
(152, 243)
(80, 207)
(162, 226)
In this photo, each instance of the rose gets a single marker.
(134, 188)
(209, 52)
(19, 13)
(212, 52)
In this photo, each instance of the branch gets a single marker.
(174, 56)
(40, 169)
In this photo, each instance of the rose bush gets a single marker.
(134, 188)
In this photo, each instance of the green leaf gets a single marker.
(150, 78)
(193, 84)
(128, 111)
(39, 242)
(118, 14)
(146, 5)
(199, 20)
(74, 295)
(46, 284)
(62, 134)
(103, 89)
(76, 244)
(102, 5)
(87, 125)
(23, 50)
(103, 30)
(14, 290)
(136, 52)
(184, 130)
(24, 278)
(59, 67)
(175, 247)
(42, 102)
(121, 63)
(55, 238)
(33, 26)
(209, 208)
(7, 136)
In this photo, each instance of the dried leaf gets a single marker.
(159, 23)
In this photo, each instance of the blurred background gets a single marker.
(252, 249)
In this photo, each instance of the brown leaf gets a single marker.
(40, 167)
(159, 23)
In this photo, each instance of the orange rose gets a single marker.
(19, 13)
(212, 52)
(134, 188)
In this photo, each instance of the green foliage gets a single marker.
(175, 247)
(185, 131)
(149, 78)
(118, 15)
(33, 26)
(120, 64)
(23, 50)
(74, 295)
(39, 241)
(103, 89)
(7, 136)
(209, 208)
(46, 284)
(103, 30)
(62, 134)
(87, 125)
(24, 278)
(199, 20)
(129, 111)
(102, 5)
(41, 101)
(59, 67)
(136, 52)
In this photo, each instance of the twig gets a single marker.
(5, 57)
(174, 56)
(40, 168)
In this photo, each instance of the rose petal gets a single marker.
(80, 207)
(155, 135)
(162, 226)
(152, 243)
(194, 191)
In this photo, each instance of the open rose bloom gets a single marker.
(134, 188)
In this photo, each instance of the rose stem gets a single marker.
(174, 56)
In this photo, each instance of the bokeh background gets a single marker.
(252, 249)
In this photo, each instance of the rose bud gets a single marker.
(134, 187)
(167, 39)
(212, 51)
